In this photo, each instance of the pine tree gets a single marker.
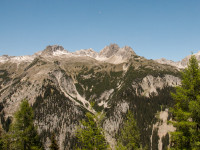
(129, 138)
(90, 135)
(186, 111)
(54, 145)
(1, 135)
(22, 133)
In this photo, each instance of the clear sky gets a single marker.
(153, 28)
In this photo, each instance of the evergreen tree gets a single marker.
(1, 135)
(186, 111)
(155, 139)
(54, 145)
(22, 134)
(90, 135)
(129, 138)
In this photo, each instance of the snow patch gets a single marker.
(112, 59)
(22, 59)
(59, 53)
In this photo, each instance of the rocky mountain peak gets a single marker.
(114, 49)
(110, 50)
(113, 46)
(4, 58)
(51, 49)
(114, 54)
(54, 48)
(128, 49)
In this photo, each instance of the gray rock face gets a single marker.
(126, 52)
(150, 84)
(50, 49)
(115, 50)
(109, 51)
(114, 54)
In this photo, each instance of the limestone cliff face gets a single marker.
(150, 84)
(61, 86)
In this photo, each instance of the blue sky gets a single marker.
(153, 28)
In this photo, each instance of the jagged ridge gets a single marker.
(112, 54)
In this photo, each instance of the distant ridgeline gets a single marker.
(62, 87)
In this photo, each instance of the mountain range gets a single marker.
(62, 86)
(180, 64)
(111, 54)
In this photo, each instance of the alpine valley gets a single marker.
(62, 86)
